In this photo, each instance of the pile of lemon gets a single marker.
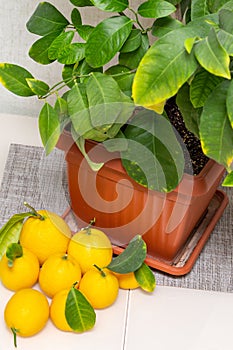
(48, 254)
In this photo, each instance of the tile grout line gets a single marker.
(126, 320)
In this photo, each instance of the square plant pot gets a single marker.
(122, 208)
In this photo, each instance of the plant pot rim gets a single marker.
(189, 185)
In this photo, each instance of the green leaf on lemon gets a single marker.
(131, 258)
(14, 251)
(145, 278)
(79, 313)
(10, 232)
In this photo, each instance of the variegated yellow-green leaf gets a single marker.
(145, 278)
(13, 78)
(166, 61)
(212, 56)
(39, 87)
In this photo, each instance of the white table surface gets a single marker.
(168, 319)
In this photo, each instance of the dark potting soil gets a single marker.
(195, 159)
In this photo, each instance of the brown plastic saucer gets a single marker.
(193, 247)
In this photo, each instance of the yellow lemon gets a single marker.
(57, 311)
(27, 312)
(100, 287)
(59, 271)
(45, 234)
(127, 280)
(91, 246)
(21, 272)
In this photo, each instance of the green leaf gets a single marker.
(133, 42)
(76, 17)
(72, 53)
(68, 74)
(104, 99)
(80, 142)
(229, 102)
(49, 127)
(132, 59)
(58, 44)
(165, 25)
(61, 107)
(228, 181)
(39, 50)
(46, 19)
(216, 5)
(226, 40)
(199, 8)
(118, 143)
(14, 78)
(106, 40)
(216, 133)
(166, 61)
(190, 114)
(189, 43)
(145, 278)
(131, 258)
(201, 86)
(81, 3)
(39, 87)
(79, 313)
(111, 5)
(14, 251)
(123, 76)
(154, 157)
(10, 232)
(225, 21)
(156, 9)
(212, 56)
(78, 110)
(84, 31)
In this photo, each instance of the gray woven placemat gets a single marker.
(31, 176)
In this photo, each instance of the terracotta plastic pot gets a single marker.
(122, 208)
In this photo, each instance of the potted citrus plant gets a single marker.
(107, 71)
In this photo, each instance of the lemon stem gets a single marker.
(14, 331)
(103, 274)
(33, 211)
(88, 227)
